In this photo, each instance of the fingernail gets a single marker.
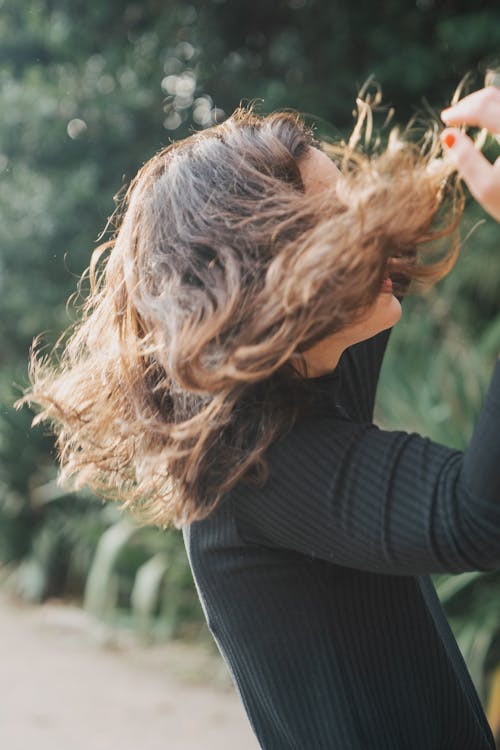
(446, 113)
(449, 140)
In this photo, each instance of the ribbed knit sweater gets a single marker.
(316, 587)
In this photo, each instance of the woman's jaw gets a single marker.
(319, 173)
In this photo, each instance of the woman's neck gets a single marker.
(323, 357)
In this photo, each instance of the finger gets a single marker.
(482, 178)
(482, 108)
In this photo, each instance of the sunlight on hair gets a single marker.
(221, 272)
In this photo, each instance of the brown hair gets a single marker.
(221, 272)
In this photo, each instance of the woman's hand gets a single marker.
(482, 109)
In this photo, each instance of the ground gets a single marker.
(68, 684)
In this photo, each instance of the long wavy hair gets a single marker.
(222, 271)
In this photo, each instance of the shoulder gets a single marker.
(299, 462)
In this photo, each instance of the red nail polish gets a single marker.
(449, 140)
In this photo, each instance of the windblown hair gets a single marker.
(222, 271)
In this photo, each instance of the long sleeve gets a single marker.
(382, 501)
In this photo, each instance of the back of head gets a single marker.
(222, 270)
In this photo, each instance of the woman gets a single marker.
(223, 377)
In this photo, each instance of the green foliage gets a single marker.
(473, 606)
(139, 578)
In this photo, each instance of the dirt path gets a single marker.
(66, 685)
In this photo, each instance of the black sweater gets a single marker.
(316, 587)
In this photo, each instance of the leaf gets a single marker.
(146, 593)
(100, 589)
(454, 585)
(479, 650)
